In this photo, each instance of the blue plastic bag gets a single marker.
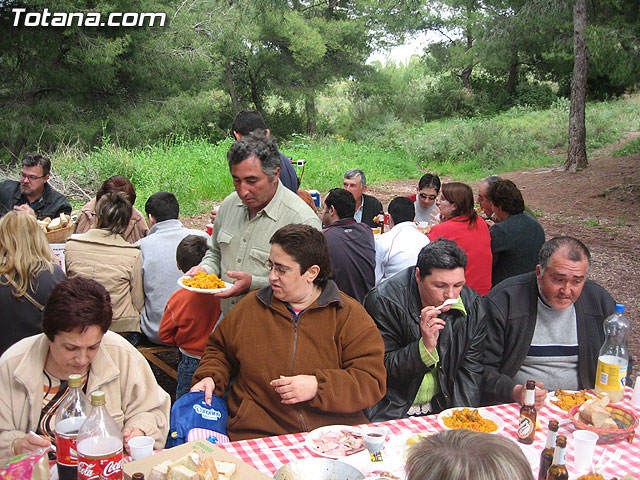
(192, 419)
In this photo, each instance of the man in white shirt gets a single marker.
(399, 248)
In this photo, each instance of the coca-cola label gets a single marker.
(106, 467)
(66, 450)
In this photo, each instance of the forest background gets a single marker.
(155, 103)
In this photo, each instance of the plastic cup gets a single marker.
(141, 447)
(374, 438)
(209, 228)
(584, 443)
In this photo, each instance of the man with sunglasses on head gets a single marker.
(32, 194)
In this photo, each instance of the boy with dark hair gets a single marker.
(189, 317)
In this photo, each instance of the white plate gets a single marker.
(488, 415)
(315, 434)
(227, 286)
(551, 396)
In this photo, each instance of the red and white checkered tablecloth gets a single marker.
(270, 453)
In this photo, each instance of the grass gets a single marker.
(631, 148)
(464, 149)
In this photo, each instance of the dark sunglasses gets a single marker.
(430, 197)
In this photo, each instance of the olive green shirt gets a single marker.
(242, 244)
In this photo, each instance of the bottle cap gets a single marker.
(553, 425)
(97, 398)
(619, 308)
(75, 380)
(561, 441)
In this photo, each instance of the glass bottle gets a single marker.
(528, 415)
(546, 457)
(558, 470)
(614, 356)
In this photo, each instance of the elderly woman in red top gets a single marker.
(460, 223)
(301, 353)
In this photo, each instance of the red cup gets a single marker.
(209, 228)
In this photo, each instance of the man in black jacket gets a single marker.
(433, 355)
(367, 207)
(32, 194)
(545, 325)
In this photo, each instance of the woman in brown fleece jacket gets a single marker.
(301, 353)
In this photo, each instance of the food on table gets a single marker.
(193, 467)
(592, 412)
(469, 419)
(566, 400)
(416, 437)
(204, 281)
(339, 442)
(597, 476)
(388, 475)
(49, 225)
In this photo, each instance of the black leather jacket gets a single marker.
(395, 306)
(51, 204)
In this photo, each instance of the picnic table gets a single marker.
(270, 453)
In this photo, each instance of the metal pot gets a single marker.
(317, 469)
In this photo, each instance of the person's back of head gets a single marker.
(33, 159)
(113, 212)
(117, 183)
(444, 254)
(343, 202)
(190, 251)
(401, 210)
(246, 121)
(162, 206)
(506, 195)
(24, 250)
(465, 454)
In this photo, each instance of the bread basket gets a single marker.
(61, 234)
(627, 422)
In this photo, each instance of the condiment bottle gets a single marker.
(546, 457)
(528, 415)
(558, 470)
(614, 356)
(71, 414)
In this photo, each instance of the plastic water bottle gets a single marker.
(614, 356)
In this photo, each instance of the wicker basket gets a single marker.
(60, 235)
(627, 423)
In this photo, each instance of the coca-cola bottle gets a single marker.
(99, 444)
(71, 415)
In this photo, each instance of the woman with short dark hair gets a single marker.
(301, 353)
(137, 227)
(104, 255)
(34, 372)
(460, 223)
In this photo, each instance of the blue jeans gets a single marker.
(186, 368)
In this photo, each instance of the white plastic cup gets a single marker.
(584, 443)
(141, 447)
(374, 438)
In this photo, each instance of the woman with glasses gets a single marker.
(27, 276)
(301, 354)
(425, 200)
(460, 223)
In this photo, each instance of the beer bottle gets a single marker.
(138, 476)
(558, 470)
(528, 415)
(546, 457)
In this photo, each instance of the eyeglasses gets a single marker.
(279, 269)
(430, 197)
(31, 178)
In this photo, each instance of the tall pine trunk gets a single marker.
(577, 151)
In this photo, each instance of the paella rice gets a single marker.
(469, 419)
(566, 400)
(204, 281)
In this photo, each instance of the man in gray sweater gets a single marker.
(160, 272)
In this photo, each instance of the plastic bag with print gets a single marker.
(28, 466)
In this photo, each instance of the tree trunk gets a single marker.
(256, 97)
(232, 90)
(512, 81)
(310, 109)
(577, 151)
(466, 73)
